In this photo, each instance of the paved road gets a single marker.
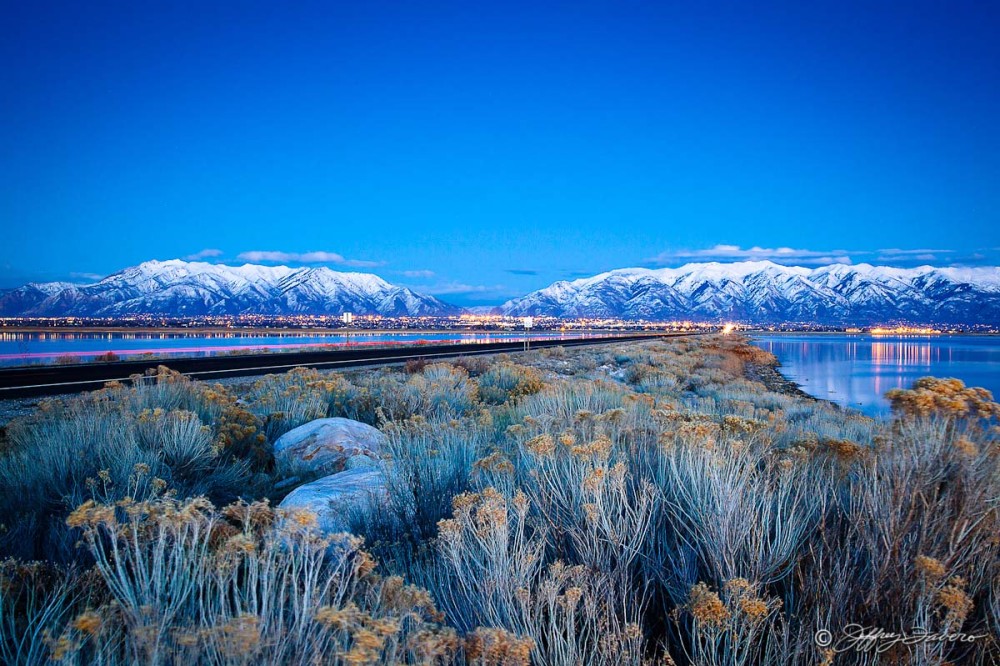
(32, 381)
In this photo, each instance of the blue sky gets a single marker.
(481, 150)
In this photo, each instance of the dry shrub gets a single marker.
(494, 575)
(949, 398)
(740, 625)
(298, 396)
(415, 365)
(120, 442)
(504, 382)
(425, 465)
(649, 502)
(243, 585)
(440, 391)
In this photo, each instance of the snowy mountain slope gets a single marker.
(752, 291)
(178, 287)
(765, 292)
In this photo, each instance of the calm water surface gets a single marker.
(57, 346)
(857, 370)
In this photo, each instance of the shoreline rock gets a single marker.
(770, 376)
(331, 497)
(327, 446)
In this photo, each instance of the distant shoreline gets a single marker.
(870, 334)
(319, 330)
(773, 379)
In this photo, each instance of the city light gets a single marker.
(467, 322)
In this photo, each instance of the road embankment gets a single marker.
(47, 380)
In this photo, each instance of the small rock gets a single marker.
(290, 482)
(332, 497)
(360, 462)
(325, 446)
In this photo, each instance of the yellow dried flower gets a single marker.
(541, 445)
(302, 517)
(238, 637)
(930, 568)
(958, 603)
(88, 622)
(496, 647)
(738, 586)
(706, 606)
(633, 631)
(573, 595)
(521, 503)
(966, 447)
(364, 564)
(592, 482)
(495, 462)
(337, 618)
(753, 607)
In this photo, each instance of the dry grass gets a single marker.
(628, 504)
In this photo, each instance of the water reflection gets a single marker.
(857, 370)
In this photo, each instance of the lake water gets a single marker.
(18, 348)
(857, 370)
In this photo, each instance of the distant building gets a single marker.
(347, 318)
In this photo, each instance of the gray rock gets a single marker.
(285, 484)
(360, 462)
(325, 446)
(333, 497)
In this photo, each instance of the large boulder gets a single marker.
(326, 446)
(332, 497)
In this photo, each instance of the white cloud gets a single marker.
(894, 254)
(319, 258)
(207, 253)
(898, 252)
(276, 256)
(823, 261)
(756, 253)
(273, 255)
(446, 288)
(788, 255)
(419, 274)
(93, 277)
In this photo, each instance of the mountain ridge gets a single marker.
(757, 292)
(764, 292)
(191, 288)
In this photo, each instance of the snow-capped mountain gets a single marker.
(181, 288)
(764, 292)
(752, 291)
